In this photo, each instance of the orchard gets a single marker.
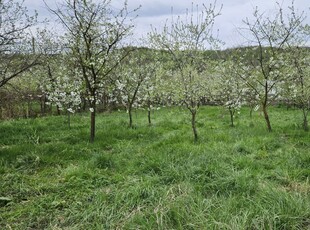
(175, 131)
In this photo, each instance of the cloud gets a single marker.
(156, 13)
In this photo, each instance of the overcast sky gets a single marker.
(156, 13)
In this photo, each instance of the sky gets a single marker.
(156, 13)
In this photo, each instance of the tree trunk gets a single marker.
(149, 116)
(287, 105)
(130, 116)
(231, 112)
(305, 122)
(266, 116)
(83, 107)
(251, 111)
(149, 113)
(58, 110)
(43, 105)
(194, 125)
(93, 122)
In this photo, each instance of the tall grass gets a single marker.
(155, 177)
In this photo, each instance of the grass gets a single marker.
(155, 177)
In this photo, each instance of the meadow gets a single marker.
(156, 177)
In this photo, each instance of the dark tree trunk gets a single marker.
(130, 116)
(149, 117)
(288, 105)
(266, 116)
(93, 122)
(231, 112)
(83, 107)
(194, 125)
(305, 122)
(43, 105)
(149, 113)
(58, 110)
(251, 111)
(130, 103)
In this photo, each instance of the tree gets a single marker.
(93, 35)
(146, 63)
(299, 88)
(185, 41)
(230, 90)
(269, 37)
(151, 88)
(16, 54)
(129, 81)
(51, 48)
(298, 59)
(64, 89)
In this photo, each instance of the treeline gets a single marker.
(24, 96)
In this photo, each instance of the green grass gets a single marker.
(156, 177)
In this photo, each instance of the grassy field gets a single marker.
(156, 177)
